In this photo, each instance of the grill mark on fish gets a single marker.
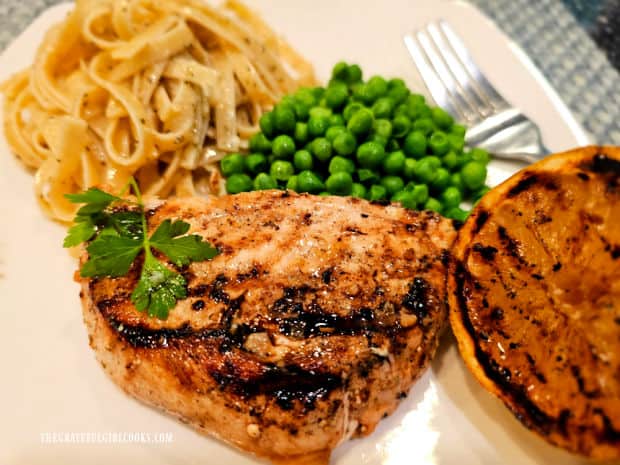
(273, 329)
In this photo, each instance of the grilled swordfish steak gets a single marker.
(316, 317)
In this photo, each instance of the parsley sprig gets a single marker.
(117, 236)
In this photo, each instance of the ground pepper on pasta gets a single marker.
(158, 90)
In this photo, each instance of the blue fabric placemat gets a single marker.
(568, 57)
(545, 29)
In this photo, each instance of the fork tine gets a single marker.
(432, 81)
(446, 77)
(471, 94)
(461, 51)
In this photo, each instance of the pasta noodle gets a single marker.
(159, 90)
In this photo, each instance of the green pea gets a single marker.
(362, 93)
(456, 142)
(424, 171)
(397, 93)
(339, 183)
(320, 112)
(339, 163)
(401, 110)
(421, 111)
(345, 143)
(450, 160)
(333, 131)
(291, 184)
(339, 71)
(401, 125)
(301, 135)
(260, 143)
(281, 170)
(457, 213)
(405, 198)
(317, 92)
(474, 174)
(238, 182)
(336, 120)
(378, 139)
(451, 197)
(334, 82)
(283, 146)
(396, 82)
(420, 193)
(360, 122)
(367, 176)
(382, 108)
(306, 96)
(287, 101)
(284, 119)
(303, 160)
(458, 130)
(394, 163)
(480, 155)
(383, 128)
(321, 148)
(263, 181)
(266, 123)
(354, 74)
(358, 190)
(442, 179)
(424, 125)
(370, 154)
(392, 184)
(377, 192)
(308, 181)
(231, 164)
(433, 204)
(255, 163)
(409, 168)
(324, 194)
(351, 109)
(416, 99)
(377, 86)
(438, 142)
(317, 125)
(442, 118)
(336, 95)
(302, 111)
(457, 181)
(432, 160)
(415, 144)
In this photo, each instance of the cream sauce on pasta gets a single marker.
(159, 90)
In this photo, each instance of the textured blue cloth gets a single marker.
(545, 29)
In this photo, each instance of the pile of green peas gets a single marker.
(370, 139)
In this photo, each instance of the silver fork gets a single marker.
(457, 84)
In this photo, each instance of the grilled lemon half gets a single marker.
(534, 295)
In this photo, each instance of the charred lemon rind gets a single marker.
(601, 441)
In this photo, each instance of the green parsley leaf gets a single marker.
(128, 223)
(95, 199)
(83, 230)
(159, 288)
(118, 236)
(180, 250)
(110, 255)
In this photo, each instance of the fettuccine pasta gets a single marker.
(155, 89)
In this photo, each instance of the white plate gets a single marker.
(51, 382)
